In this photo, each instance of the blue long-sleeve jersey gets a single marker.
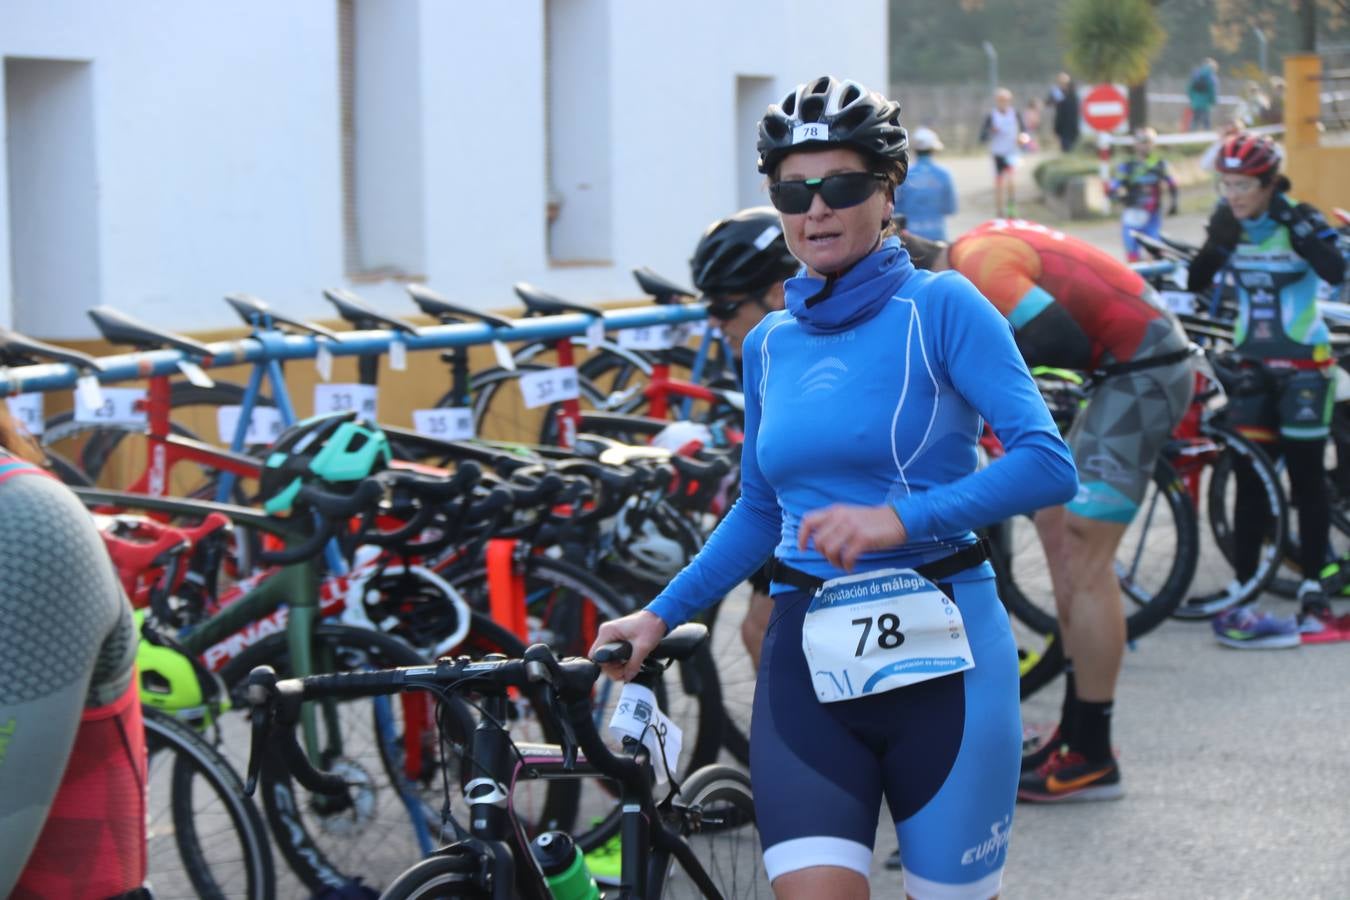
(926, 198)
(885, 410)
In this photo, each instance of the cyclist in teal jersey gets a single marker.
(1276, 249)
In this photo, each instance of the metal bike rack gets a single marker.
(132, 366)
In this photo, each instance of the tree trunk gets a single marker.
(1138, 105)
(1308, 23)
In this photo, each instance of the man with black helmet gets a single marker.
(739, 267)
(889, 669)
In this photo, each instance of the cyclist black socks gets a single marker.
(1067, 712)
(1093, 737)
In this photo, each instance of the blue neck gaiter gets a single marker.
(855, 296)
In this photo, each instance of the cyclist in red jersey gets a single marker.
(72, 749)
(1076, 307)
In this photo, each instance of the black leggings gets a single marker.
(1304, 463)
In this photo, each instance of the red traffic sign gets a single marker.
(1105, 108)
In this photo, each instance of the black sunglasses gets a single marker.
(838, 191)
(726, 309)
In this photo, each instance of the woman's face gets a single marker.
(1247, 196)
(830, 240)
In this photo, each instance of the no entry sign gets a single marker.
(1105, 108)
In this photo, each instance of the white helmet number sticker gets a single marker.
(810, 131)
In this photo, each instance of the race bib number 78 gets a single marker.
(877, 631)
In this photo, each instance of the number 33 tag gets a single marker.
(877, 631)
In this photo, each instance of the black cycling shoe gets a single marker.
(1036, 758)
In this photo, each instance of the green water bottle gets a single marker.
(564, 868)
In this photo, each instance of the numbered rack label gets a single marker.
(447, 424)
(27, 411)
(117, 406)
(549, 386)
(331, 398)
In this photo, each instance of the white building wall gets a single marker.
(219, 165)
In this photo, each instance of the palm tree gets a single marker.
(1115, 41)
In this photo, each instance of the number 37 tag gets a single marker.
(877, 631)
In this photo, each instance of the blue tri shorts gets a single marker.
(945, 753)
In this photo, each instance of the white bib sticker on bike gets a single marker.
(654, 337)
(451, 423)
(27, 409)
(265, 424)
(1178, 301)
(877, 631)
(332, 398)
(549, 386)
(638, 716)
(117, 406)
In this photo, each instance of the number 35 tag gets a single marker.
(878, 631)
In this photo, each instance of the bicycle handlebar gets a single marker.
(562, 685)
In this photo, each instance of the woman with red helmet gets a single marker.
(1276, 250)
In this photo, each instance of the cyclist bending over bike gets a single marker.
(72, 750)
(1075, 307)
(889, 668)
(739, 267)
(1276, 248)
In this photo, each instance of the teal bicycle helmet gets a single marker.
(337, 449)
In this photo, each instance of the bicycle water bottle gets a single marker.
(564, 868)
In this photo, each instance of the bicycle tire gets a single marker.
(367, 834)
(1216, 587)
(1040, 657)
(715, 814)
(445, 876)
(183, 860)
(1153, 601)
(497, 418)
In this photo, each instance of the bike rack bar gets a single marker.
(275, 346)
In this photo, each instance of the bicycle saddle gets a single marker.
(436, 306)
(661, 290)
(361, 314)
(258, 314)
(19, 350)
(119, 328)
(540, 303)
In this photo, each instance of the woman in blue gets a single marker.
(864, 400)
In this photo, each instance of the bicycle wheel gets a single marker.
(382, 825)
(715, 813)
(499, 411)
(1207, 467)
(1155, 560)
(450, 875)
(203, 837)
(1040, 657)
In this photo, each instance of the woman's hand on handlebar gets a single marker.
(642, 629)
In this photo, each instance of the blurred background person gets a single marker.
(1063, 97)
(928, 195)
(1006, 134)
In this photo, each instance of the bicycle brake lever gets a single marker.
(261, 691)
